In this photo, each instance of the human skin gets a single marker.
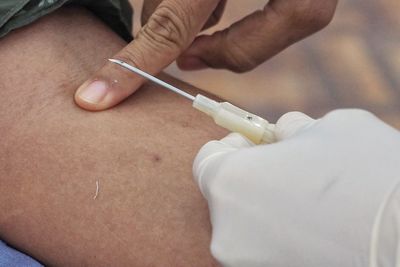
(148, 211)
(172, 33)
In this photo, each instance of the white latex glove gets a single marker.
(325, 195)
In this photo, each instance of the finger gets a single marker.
(211, 154)
(259, 36)
(169, 31)
(292, 123)
(149, 7)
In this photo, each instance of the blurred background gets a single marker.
(354, 62)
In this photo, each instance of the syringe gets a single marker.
(226, 115)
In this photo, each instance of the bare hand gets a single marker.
(171, 34)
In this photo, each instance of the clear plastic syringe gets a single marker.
(226, 115)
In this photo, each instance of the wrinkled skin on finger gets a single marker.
(149, 6)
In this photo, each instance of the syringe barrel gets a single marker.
(232, 118)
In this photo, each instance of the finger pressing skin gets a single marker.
(259, 36)
(169, 31)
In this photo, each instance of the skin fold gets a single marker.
(149, 211)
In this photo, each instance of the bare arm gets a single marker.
(148, 211)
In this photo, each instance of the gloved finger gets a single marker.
(210, 155)
(291, 123)
(169, 31)
(259, 36)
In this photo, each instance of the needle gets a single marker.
(226, 115)
(153, 79)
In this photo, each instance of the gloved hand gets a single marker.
(326, 194)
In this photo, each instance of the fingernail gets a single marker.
(191, 63)
(94, 92)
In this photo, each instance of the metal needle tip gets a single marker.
(152, 78)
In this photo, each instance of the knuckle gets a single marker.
(237, 60)
(166, 28)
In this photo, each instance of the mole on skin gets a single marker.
(156, 158)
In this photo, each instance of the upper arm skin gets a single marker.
(148, 211)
